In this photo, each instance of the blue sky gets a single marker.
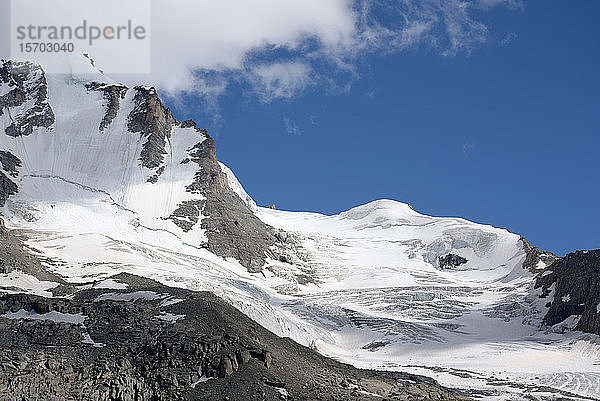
(482, 109)
(507, 134)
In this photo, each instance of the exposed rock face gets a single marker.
(25, 102)
(9, 163)
(535, 256)
(231, 227)
(7, 188)
(187, 214)
(25, 98)
(15, 257)
(576, 280)
(154, 121)
(450, 261)
(151, 342)
(113, 94)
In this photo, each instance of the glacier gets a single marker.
(379, 286)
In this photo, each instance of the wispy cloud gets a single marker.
(280, 80)
(514, 4)
(291, 127)
(281, 48)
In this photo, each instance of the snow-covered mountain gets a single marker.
(102, 179)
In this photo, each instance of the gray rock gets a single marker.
(450, 261)
(10, 163)
(534, 255)
(29, 85)
(152, 120)
(7, 188)
(113, 94)
(231, 227)
(577, 290)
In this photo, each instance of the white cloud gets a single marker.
(282, 47)
(190, 37)
(463, 31)
(280, 80)
(515, 4)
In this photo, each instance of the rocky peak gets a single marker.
(213, 206)
(24, 97)
(154, 121)
(534, 256)
(231, 227)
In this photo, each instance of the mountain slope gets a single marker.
(68, 134)
(113, 183)
(169, 344)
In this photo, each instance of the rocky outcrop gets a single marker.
(450, 261)
(154, 121)
(187, 214)
(231, 227)
(25, 97)
(7, 188)
(151, 342)
(534, 256)
(10, 163)
(14, 256)
(113, 94)
(574, 282)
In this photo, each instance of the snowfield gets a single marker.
(378, 286)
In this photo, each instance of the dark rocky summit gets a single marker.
(28, 85)
(576, 280)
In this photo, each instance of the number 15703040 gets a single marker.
(46, 47)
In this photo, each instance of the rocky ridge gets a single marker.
(572, 287)
(232, 230)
